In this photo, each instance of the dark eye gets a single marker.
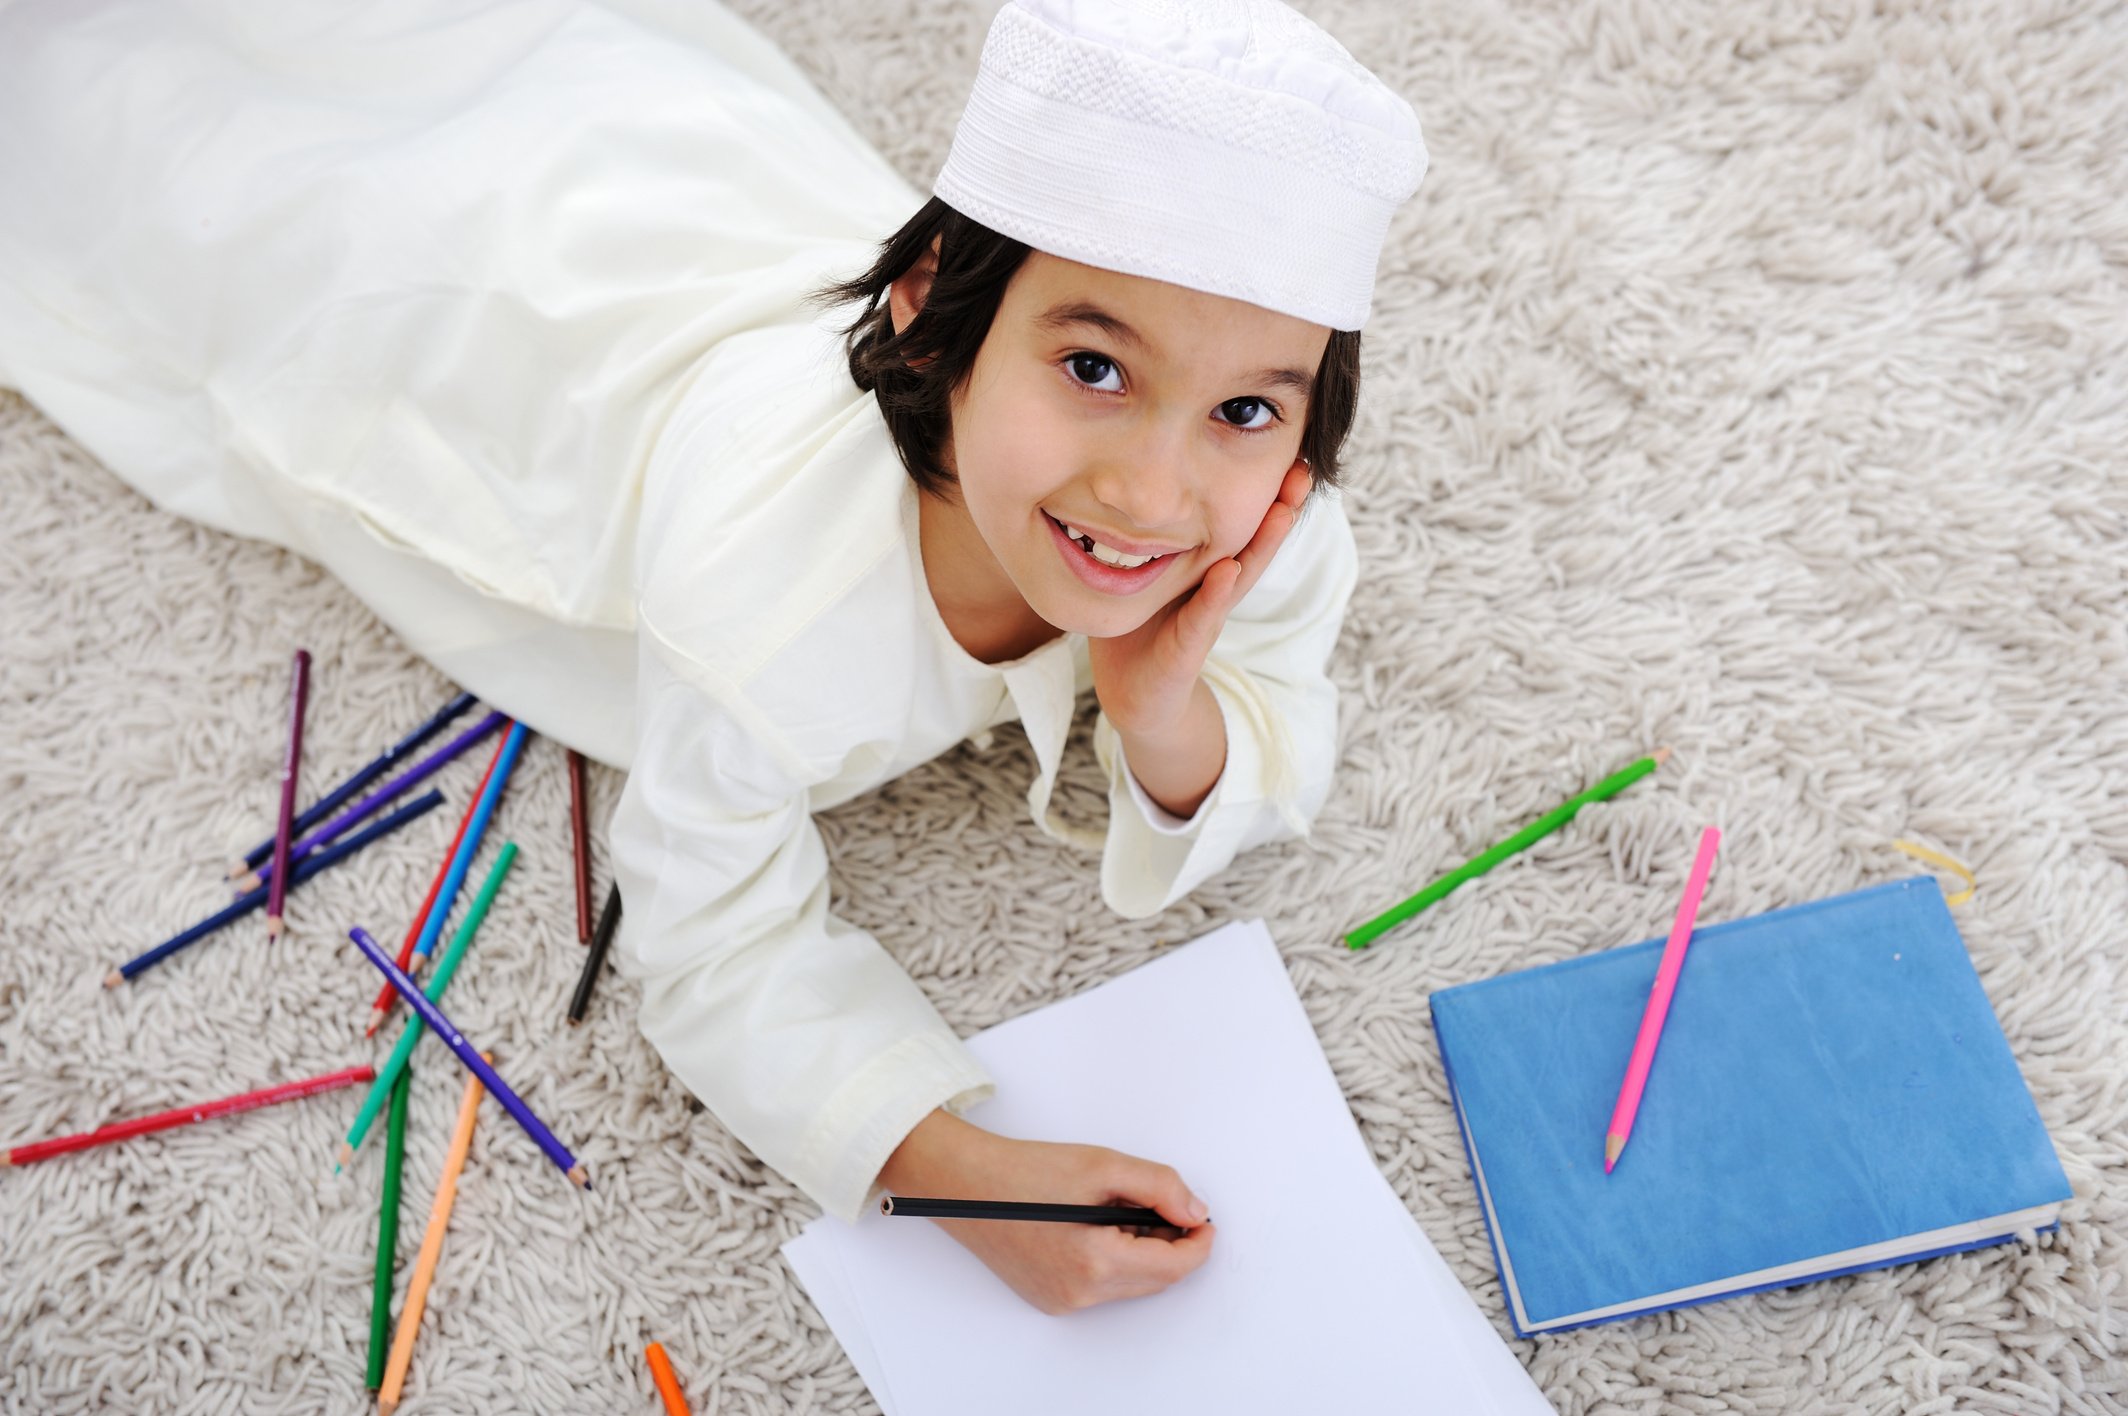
(1092, 370)
(1241, 412)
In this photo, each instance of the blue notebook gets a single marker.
(1832, 1093)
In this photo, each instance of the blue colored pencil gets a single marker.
(299, 873)
(469, 844)
(412, 777)
(332, 800)
(444, 1028)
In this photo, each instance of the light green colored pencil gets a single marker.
(1543, 826)
(389, 1072)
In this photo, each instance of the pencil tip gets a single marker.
(386, 1407)
(114, 978)
(1607, 1166)
(1613, 1145)
(578, 1178)
(347, 1153)
(245, 884)
(1661, 755)
(273, 926)
(237, 867)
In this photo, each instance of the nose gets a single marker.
(1146, 485)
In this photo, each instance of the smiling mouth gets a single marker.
(1105, 555)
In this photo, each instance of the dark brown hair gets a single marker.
(915, 373)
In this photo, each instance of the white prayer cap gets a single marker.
(1230, 146)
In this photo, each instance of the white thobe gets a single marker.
(498, 313)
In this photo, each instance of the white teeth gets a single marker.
(1107, 555)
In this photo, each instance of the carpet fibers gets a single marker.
(1747, 378)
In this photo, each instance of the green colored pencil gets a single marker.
(380, 1303)
(1543, 826)
(389, 1072)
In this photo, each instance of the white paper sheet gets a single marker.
(821, 1273)
(1321, 1292)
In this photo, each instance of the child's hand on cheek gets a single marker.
(1145, 679)
(1150, 681)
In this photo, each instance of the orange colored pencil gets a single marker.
(417, 1290)
(668, 1384)
(382, 1008)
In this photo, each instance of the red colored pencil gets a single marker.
(382, 1008)
(186, 1115)
(580, 830)
(298, 700)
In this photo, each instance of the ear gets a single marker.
(906, 296)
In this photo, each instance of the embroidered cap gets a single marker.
(1230, 146)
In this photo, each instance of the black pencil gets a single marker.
(1127, 1215)
(609, 920)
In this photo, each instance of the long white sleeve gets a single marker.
(800, 1032)
(1267, 672)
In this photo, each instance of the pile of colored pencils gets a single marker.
(359, 811)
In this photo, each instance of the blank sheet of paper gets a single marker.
(1321, 1292)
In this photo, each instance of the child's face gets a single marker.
(1174, 444)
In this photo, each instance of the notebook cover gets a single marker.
(1830, 1076)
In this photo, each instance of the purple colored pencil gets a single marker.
(298, 700)
(413, 776)
(444, 1028)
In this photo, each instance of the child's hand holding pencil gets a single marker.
(1058, 1268)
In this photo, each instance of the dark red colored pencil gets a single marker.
(580, 829)
(186, 1115)
(382, 1008)
(298, 700)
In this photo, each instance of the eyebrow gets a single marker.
(1060, 317)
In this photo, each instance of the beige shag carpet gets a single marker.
(1751, 378)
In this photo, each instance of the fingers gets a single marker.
(1201, 617)
(1300, 480)
(1167, 1259)
(1141, 1264)
(1279, 518)
(1157, 1187)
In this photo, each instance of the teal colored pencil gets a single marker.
(380, 1303)
(438, 982)
(1543, 826)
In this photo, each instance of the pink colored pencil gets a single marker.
(298, 700)
(1651, 1019)
(382, 1008)
(186, 1115)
